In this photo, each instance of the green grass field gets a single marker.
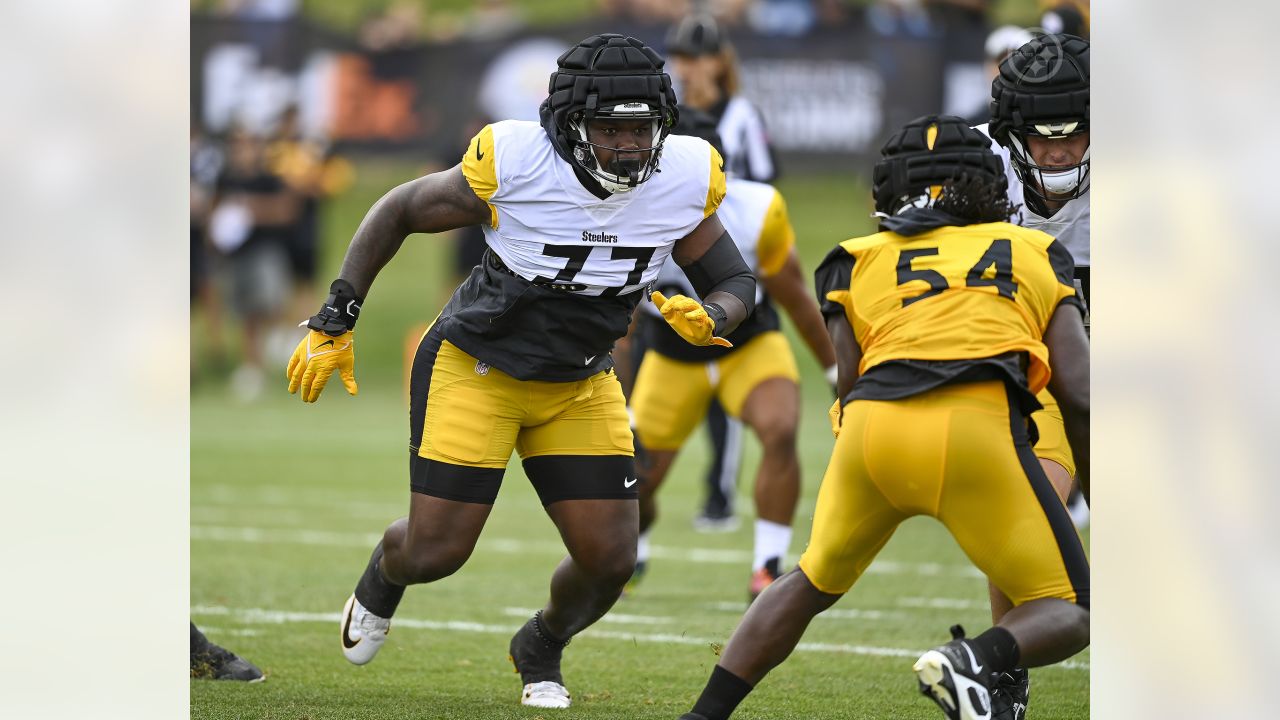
(287, 501)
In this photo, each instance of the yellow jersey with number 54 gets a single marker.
(950, 293)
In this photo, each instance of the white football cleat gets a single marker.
(546, 694)
(362, 632)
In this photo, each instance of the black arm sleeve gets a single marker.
(722, 269)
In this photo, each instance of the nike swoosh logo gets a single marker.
(973, 660)
(479, 155)
(628, 483)
(326, 342)
(347, 642)
(588, 362)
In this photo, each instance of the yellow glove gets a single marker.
(836, 413)
(688, 318)
(315, 359)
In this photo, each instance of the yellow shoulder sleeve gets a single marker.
(776, 237)
(716, 189)
(481, 170)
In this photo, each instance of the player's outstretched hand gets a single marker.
(315, 359)
(689, 319)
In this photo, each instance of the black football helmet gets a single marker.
(695, 36)
(609, 76)
(927, 152)
(1043, 89)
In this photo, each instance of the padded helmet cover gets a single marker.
(599, 73)
(925, 154)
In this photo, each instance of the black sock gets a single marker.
(379, 595)
(999, 649)
(721, 695)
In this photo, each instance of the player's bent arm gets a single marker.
(1069, 382)
(848, 354)
(715, 267)
(787, 286)
(440, 201)
(432, 203)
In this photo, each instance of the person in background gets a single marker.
(206, 165)
(314, 174)
(252, 223)
(705, 67)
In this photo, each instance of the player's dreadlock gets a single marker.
(975, 198)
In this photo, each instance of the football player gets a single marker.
(578, 222)
(945, 325)
(1040, 128)
(756, 379)
(705, 67)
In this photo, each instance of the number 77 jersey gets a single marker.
(950, 293)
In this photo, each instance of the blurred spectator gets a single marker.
(399, 25)
(1065, 16)
(260, 9)
(253, 216)
(788, 18)
(206, 165)
(493, 19)
(705, 67)
(312, 172)
(1000, 43)
(899, 17)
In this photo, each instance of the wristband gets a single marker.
(339, 312)
(718, 317)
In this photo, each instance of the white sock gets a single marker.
(772, 541)
(642, 547)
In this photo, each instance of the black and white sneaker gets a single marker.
(1010, 694)
(956, 679)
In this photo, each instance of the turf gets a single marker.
(287, 501)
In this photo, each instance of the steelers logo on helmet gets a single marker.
(1042, 91)
(610, 82)
(927, 153)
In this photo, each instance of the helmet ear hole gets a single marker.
(926, 154)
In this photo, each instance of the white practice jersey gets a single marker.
(545, 226)
(1070, 225)
(743, 213)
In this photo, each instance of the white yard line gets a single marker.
(296, 536)
(278, 617)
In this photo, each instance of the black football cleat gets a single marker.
(537, 658)
(955, 678)
(213, 662)
(1010, 694)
